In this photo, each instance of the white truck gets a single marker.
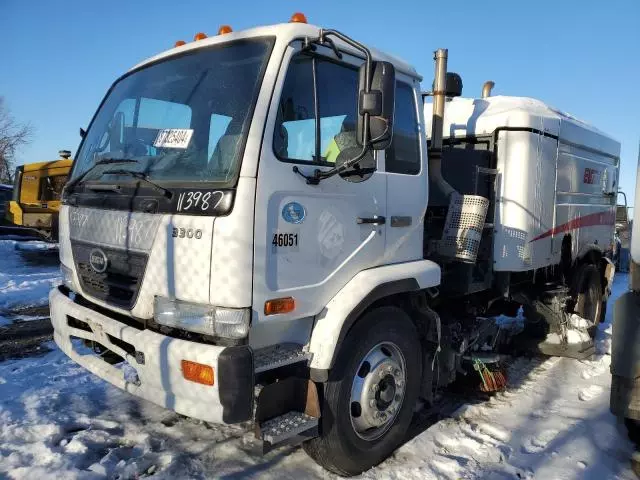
(269, 225)
(625, 354)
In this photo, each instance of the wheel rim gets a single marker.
(377, 391)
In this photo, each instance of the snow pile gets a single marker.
(576, 321)
(59, 421)
(36, 247)
(28, 272)
(574, 333)
(574, 336)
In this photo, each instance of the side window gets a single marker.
(51, 187)
(403, 156)
(295, 132)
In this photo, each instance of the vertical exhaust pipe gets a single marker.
(487, 87)
(439, 92)
(437, 124)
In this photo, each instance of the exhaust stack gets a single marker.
(487, 87)
(437, 125)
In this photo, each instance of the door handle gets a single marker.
(375, 220)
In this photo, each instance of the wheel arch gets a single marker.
(391, 284)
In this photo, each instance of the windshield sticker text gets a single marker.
(199, 200)
(173, 138)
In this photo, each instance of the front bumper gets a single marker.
(156, 359)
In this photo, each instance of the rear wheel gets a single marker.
(589, 297)
(370, 395)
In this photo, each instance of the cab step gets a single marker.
(290, 428)
(280, 355)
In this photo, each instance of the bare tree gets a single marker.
(13, 135)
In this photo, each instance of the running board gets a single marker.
(279, 355)
(290, 428)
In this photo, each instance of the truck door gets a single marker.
(308, 239)
(406, 180)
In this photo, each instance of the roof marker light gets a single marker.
(298, 18)
(179, 43)
(224, 29)
(199, 36)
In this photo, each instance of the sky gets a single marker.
(580, 56)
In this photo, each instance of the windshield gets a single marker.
(184, 119)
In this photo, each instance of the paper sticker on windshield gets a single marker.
(173, 138)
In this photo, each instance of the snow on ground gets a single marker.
(27, 272)
(58, 421)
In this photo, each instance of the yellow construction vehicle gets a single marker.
(36, 197)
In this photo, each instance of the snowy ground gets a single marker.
(58, 421)
(28, 269)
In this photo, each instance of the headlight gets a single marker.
(205, 319)
(67, 278)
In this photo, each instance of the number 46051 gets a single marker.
(285, 240)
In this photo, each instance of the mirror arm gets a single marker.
(320, 175)
(358, 46)
(366, 142)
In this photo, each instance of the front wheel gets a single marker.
(370, 395)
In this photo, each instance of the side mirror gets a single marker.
(379, 103)
(83, 132)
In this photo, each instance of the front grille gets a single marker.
(119, 284)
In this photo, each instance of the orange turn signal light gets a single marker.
(224, 29)
(180, 43)
(298, 18)
(197, 372)
(199, 36)
(279, 305)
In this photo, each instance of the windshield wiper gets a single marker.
(105, 161)
(141, 176)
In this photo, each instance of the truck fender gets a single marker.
(589, 249)
(366, 287)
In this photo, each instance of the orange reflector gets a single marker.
(279, 305)
(224, 29)
(298, 18)
(180, 43)
(197, 372)
(199, 36)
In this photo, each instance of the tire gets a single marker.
(588, 294)
(633, 430)
(344, 446)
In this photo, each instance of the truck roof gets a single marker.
(285, 32)
(32, 167)
(470, 117)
